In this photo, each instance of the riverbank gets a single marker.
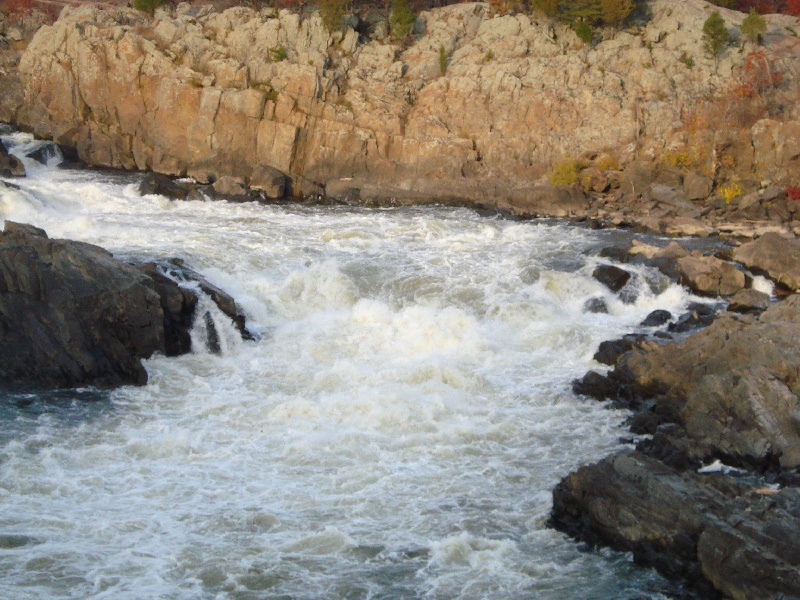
(651, 143)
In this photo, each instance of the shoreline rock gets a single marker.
(727, 393)
(72, 315)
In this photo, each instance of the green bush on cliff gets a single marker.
(715, 36)
(148, 6)
(332, 12)
(401, 19)
(754, 26)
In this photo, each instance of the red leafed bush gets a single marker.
(18, 6)
(793, 191)
(761, 74)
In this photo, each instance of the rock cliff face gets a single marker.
(209, 94)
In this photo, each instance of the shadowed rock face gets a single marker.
(720, 535)
(727, 392)
(70, 314)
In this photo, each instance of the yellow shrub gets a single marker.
(676, 159)
(606, 162)
(566, 172)
(730, 191)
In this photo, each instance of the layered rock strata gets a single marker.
(209, 94)
(727, 393)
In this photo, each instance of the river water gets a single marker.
(395, 431)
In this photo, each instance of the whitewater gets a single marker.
(394, 431)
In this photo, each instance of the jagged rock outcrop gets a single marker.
(70, 314)
(775, 256)
(720, 535)
(209, 94)
(731, 388)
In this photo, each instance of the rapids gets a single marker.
(394, 432)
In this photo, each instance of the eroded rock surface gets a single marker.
(720, 535)
(71, 314)
(205, 94)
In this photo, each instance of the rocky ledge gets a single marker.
(710, 496)
(71, 314)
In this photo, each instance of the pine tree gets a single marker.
(401, 19)
(589, 11)
(715, 36)
(754, 26)
(616, 11)
(548, 8)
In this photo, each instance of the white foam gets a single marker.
(396, 432)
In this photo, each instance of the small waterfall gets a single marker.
(34, 154)
(213, 331)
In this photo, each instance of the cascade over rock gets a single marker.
(71, 314)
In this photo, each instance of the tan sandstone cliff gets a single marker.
(206, 94)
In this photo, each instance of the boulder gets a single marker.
(546, 201)
(673, 198)
(774, 256)
(10, 165)
(717, 534)
(596, 305)
(269, 180)
(230, 187)
(608, 352)
(612, 277)
(732, 386)
(749, 301)
(657, 318)
(71, 315)
(709, 276)
(155, 183)
(697, 187)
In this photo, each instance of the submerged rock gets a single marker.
(612, 277)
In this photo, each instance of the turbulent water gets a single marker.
(395, 432)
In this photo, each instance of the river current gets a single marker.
(395, 431)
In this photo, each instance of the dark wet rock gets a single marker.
(615, 253)
(697, 316)
(10, 165)
(608, 352)
(721, 536)
(44, 152)
(70, 314)
(269, 180)
(595, 305)
(155, 183)
(226, 304)
(178, 305)
(594, 385)
(612, 277)
(749, 301)
(775, 256)
(657, 318)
